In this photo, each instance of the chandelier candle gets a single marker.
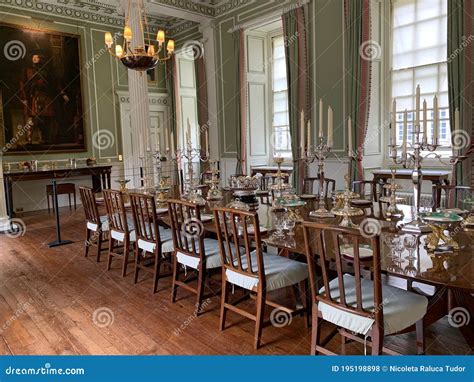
(140, 58)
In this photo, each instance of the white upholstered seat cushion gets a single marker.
(213, 257)
(401, 308)
(280, 272)
(104, 223)
(166, 238)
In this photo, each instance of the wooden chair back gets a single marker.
(145, 219)
(309, 183)
(453, 196)
(323, 242)
(116, 212)
(365, 188)
(89, 204)
(187, 228)
(236, 243)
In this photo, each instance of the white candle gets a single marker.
(330, 127)
(349, 134)
(206, 139)
(393, 125)
(167, 144)
(417, 106)
(308, 143)
(425, 120)
(302, 131)
(188, 132)
(172, 141)
(405, 132)
(457, 120)
(435, 119)
(320, 118)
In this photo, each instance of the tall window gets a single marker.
(281, 126)
(419, 58)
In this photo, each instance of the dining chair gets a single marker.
(360, 308)
(367, 190)
(454, 196)
(192, 250)
(122, 234)
(311, 186)
(245, 265)
(97, 227)
(154, 243)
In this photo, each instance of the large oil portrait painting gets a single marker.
(40, 90)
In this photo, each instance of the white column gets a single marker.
(139, 107)
(208, 32)
(4, 219)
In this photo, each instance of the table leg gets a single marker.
(462, 315)
(8, 196)
(96, 183)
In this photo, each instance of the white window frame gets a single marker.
(444, 151)
(273, 152)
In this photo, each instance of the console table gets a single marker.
(436, 177)
(265, 170)
(100, 176)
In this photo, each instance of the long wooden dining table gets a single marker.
(448, 275)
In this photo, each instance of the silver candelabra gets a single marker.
(319, 154)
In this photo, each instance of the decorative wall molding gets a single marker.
(110, 13)
(153, 98)
(89, 11)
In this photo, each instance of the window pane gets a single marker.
(419, 58)
(281, 129)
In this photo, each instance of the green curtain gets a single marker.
(202, 103)
(173, 112)
(358, 65)
(239, 120)
(460, 82)
(298, 87)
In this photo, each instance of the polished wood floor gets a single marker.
(55, 301)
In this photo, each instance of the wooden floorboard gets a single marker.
(49, 297)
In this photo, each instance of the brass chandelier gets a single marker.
(140, 58)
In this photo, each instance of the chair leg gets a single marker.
(174, 287)
(259, 318)
(343, 344)
(420, 337)
(86, 242)
(126, 251)
(201, 287)
(137, 262)
(111, 249)
(156, 273)
(377, 341)
(75, 204)
(315, 330)
(69, 196)
(99, 245)
(224, 298)
(49, 207)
